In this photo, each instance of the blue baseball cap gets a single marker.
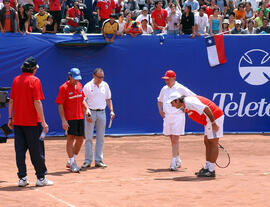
(75, 73)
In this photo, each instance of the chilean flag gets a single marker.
(215, 50)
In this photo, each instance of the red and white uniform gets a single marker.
(194, 107)
(71, 98)
(105, 8)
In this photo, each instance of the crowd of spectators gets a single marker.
(134, 17)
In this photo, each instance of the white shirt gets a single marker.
(165, 95)
(194, 104)
(202, 22)
(1, 5)
(121, 27)
(141, 17)
(175, 18)
(149, 29)
(95, 97)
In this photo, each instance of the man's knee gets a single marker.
(66, 29)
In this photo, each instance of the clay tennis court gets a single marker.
(138, 175)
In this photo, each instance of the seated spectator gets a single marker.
(225, 26)
(262, 7)
(121, 24)
(231, 6)
(240, 12)
(249, 13)
(264, 29)
(110, 28)
(22, 17)
(41, 16)
(73, 18)
(104, 10)
(132, 7)
(50, 25)
(215, 22)
(144, 15)
(194, 5)
(37, 3)
(231, 20)
(134, 29)
(128, 20)
(150, 6)
(145, 27)
(258, 19)
(119, 6)
(250, 27)
(222, 5)
(8, 18)
(187, 22)
(31, 22)
(141, 4)
(201, 22)
(159, 18)
(209, 10)
(173, 21)
(237, 29)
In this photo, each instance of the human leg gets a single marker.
(100, 131)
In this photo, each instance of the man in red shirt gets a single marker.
(8, 18)
(73, 17)
(55, 11)
(25, 101)
(208, 114)
(104, 9)
(71, 107)
(159, 18)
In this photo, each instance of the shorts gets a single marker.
(76, 127)
(210, 133)
(174, 124)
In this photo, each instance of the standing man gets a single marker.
(173, 119)
(28, 120)
(159, 18)
(71, 105)
(97, 93)
(208, 114)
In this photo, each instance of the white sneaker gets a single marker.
(23, 182)
(178, 164)
(44, 182)
(173, 167)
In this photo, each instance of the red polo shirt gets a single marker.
(26, 88)
(71, 12)
(71, 99)
(105, 8)
(160, 17)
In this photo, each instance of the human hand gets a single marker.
(215, 127)
(2, 31)
(107, 40)
(10, 123)
(193, 36)
(45, 127)
(65, 125)
(162, 114)
(99, 18)
(181, 33)
(198, 35)
(112, 115)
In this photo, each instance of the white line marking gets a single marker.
(54, 197)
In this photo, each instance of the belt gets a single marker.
(97, 109)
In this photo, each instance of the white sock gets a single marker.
(211, 166)
(174, 160)
(71, 160)
(178, 158)
(206, 166)
(74, 156)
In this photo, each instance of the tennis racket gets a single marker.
(223, 159)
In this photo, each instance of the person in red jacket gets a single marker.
(208, 114)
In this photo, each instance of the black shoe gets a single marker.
(207, 174)
(86, 165)
(100, 164)
(201, 171)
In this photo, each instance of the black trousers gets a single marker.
(57, 17)
(27, 138)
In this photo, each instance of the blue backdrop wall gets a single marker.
(133, 68)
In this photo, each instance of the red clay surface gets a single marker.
(138, 175)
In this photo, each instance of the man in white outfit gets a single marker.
(97, 93)
(173, 119)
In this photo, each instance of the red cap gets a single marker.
(169, 74)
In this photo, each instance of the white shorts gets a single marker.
(210, 133)
(174, 124)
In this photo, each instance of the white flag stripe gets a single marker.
(212, 55)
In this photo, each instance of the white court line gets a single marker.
(54, 197)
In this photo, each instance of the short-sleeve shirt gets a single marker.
(73, 13)
(240, 14)
(165, 95)
(55, 5)
(109, 28)
(26, 89)
(41, 19)
(95, 96)
(195, 105)
(105, 8)
(187, 21)
(71, 98)
(202, 23)
(160, 17)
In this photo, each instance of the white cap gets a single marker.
(238, 21)
(175, 95)
(225, 21)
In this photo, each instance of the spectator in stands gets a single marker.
(104, 10)
(121, 24)
(231, 20)
(159, 18)
(215, 22)
(240, 12)
(237, 29)
(225, 26)
(134, 29)
(119, 6)
(41, 17)
(209, 10)
(72, 18)
(133, 7)
(249, 13)
(177, 4)
(230, 6)
(173, 21)
(258, 19)
(22, 17)
(201, 22)
(194, 5)
(262, 6)
(31, 23)
(37, 3)
(187, 22)
(55, 11)
(254, 4)
(222, 5)
(50, 25)
(8, 18)
(110, 28)
(26, 3)
(264, 29)
(145, 27)
(250, 27)
(150, 6)
(141, 4)
(144, 15)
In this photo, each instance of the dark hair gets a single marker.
(120, 14)
(202, 7)
(27, 70)
(189, 7)
(232, 13)
(250, 21)
(241, 4)
(215, 9)
(248, 3)
(50, 16)
(41, 6)
(6, 1)
(113, 16)
(98, 70)
(156, 3)
(264, 18)
(181, 99)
